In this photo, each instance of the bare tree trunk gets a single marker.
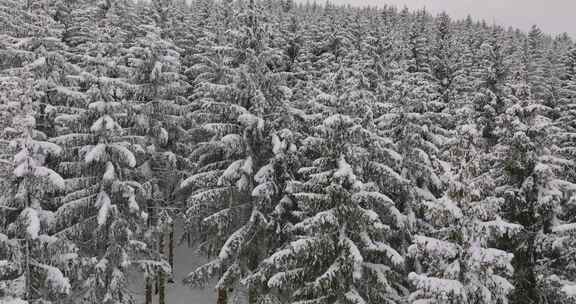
(222, 296)
(28, 287)
(252, 295)
(171, 252)
(161, 281)
(148, 290)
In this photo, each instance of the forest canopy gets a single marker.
(313, 153)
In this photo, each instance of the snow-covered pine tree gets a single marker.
(103, 208)
(555, 246)
(36, 266)
(118, 21)
(455, 255)
(464, 80)
(203, 10)
(185, 30)
(156, 114)
(270, 193)
(293, 42)
(539, 73)
(12, 90)
(535, 192)
(76, 19)
(415, 121)
(416, 130)
(339, 249)
(491, 98)
(217, 144)
(34, 263)
(445, 59)
(566, 97)
(240, 164)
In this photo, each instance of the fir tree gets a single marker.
(339, 249)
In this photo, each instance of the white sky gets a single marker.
(552, 16)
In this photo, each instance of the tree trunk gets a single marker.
(161, 289)
(149, 222)
(161, 281)
(148, 290)
(222, 296)
(28, 287)
(171, 252)
(252, 295)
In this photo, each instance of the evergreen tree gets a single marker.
(240, 106)
(535, 193)
(340, 250)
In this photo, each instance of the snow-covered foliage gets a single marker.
(340, 248)
(316, 153)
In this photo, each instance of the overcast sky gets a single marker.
(552, 16)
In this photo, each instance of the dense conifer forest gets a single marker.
(315, 154)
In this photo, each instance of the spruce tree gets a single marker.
(339, 250)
